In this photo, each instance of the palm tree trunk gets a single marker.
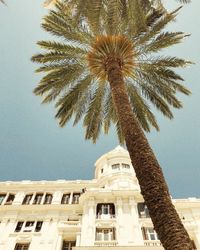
(166, 221)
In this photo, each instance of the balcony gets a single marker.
(111, 243)
(102, 246)
(152, 243)
(105, 216)
(71, 226)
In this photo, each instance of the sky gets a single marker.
(34, 147)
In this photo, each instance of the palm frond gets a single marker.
(157, 26)
(76, 66)
(94, 115)
(58, 79)
(67, 104)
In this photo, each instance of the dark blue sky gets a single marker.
(33, 147)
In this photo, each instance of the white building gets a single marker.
(104, 213)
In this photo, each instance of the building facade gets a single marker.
(107, 212)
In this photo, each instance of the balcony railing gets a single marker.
(69, 225)
(105, 216)
(105, 243)
(154, 243)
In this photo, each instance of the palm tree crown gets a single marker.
(76, 74)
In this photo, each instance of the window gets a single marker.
(38, 198)
(67, 245)
(149, 233)
(2, 197)
(75, 199)
(126, 166)
(27, 199)
(38, 226)
(10, 199)
(23, 246)
(102, 170)
(65, 199)
(105, 210)
(105, 234)
(48, 199)
(29, 226)
(143, 210)
(116, 166)
(19, 226)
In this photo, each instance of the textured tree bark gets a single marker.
(166, 221)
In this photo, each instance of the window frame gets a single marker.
(2, 198)
(115, 166)
(10, 198)
(36, 200)
(125, 166)
(23, 246)
(143, 211)
(48, 199)
(27, 199)
(105, 209)
(28, 226)
(75, 198)
(105, 234)
(67, 245)
(64, 200)
(149, 234)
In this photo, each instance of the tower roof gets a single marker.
(118, 151)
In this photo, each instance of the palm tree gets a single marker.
(107, 74)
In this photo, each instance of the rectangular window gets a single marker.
(27, 199)
(116, 166)
(65, 199)
(22, 246)
(2, 197)
(105, 210)
(38, 198)
(19, 226)
(67, 245)
(10, 199)
(125, 166)
(105, 234)
(38, 226)
(149, 233)
(48, 199)
(75, 199)
(143, 210)
(29, 226)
